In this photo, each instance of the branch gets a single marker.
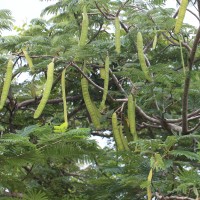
(101, 134)
(161, 197)
(176, 43)
(147, 117)
(117, 83)
(89, 80)
(198, 3)
(145, 125)
(187, 83)
(51, 101)
(121, 7)
(194, 14)
(96, 34)
(194, 128)
(194, 48)
(190, 116)
(109, 18)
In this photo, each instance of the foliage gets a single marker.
(156, 69)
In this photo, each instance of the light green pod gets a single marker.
(131, 116)
(7, 83)
(106, 83)
(88, 102)
(29, 60)
(117, 35)
(47, 90)
(123, 139)
(155, 41)
(116, 133)
(64, 95)
(142, 58)
(84, 29)
(181, 15)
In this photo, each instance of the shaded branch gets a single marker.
(194, 128)
(161, 197)
(116, 81)
(187, 84)
(51, 101)
(101, 134)
(89, 80)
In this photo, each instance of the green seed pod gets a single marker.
(7, 83)
(116, 133)
(47, 90)
(102, 73)
(89, 104)
(131, 116)
(106, 83)
(155, 41)
(64, 95)
(123, 139)
(84, 30)
(149, 193)
(33, 90)
(181, 15)
(29, 60)
(117, 35)
(142, 58)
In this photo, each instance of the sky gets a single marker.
(24, 10)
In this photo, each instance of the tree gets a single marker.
(131, 69)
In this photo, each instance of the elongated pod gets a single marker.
(102, 73)
(131, 116)
(88, 103)
(84, 29)
(123, 139)
(149, 193)
(64, 95)
(106, 83)
(181, 15)
(29, 60)
(47, 90)
(116, 133)
(7, 83)
(33, 90)
(117, 35)
(142, 58)
(155, 41)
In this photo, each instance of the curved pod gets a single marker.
(131, 116)
(116, 133)
(181, 15)
(106, 83)
(117, 35)
(64, 95)
(7, 83)
(84, 29)
(29, 60)
(142, 58)
(47, 90)
(89, 104)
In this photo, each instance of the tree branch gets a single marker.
(51, 101)
(89, 80)
(117, 83)
(187, 84)
(161, 197)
